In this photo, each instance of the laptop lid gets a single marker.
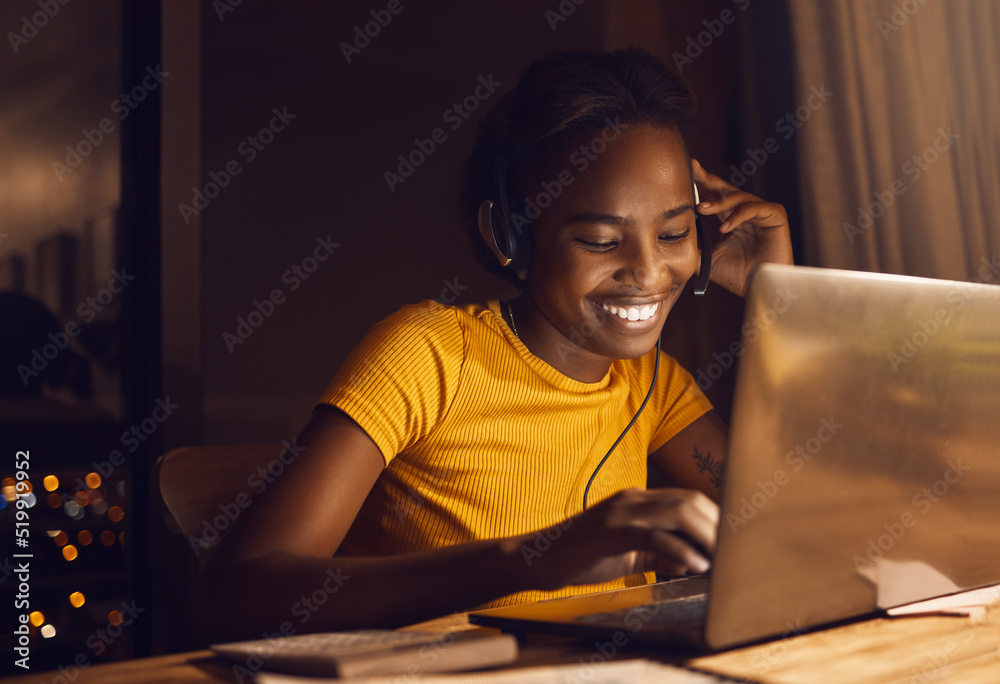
(864, 461)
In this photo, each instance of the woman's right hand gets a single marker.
(664, 530)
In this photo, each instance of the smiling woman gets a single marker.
(453, 436)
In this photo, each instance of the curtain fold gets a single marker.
(900, 169)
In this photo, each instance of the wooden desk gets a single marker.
(916, 650)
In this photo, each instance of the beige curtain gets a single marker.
(900, 167)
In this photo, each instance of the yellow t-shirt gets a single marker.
(483, 440)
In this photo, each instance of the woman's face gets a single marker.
(614, 249)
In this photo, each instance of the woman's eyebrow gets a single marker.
(594, 218)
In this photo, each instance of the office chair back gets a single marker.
(205, 489)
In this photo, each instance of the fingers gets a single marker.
(760, 214)
(735, 207)
(678, 525)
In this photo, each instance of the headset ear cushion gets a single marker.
(488, 231)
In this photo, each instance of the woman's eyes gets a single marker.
(598, 246)
(605, 245)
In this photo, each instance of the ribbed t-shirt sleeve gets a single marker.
(398, 383)
(680, 404)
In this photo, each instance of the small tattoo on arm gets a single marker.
(706, 464)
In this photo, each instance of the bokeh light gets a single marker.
(93, 480)
(116, 513)
(48, 631)
(84, 537)
(60, 538)
(77, 599)
(107, 537)
(51, 483)
(69, 552)
(115, 618)
(37, 618)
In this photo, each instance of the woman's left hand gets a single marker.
(753, 231)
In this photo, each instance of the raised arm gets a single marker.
(276, 567)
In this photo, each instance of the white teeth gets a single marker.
(632, 313)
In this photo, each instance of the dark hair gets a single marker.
(556, 100)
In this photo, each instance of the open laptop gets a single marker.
(863, 469)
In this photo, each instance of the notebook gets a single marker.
(370, 653)
(863, 469)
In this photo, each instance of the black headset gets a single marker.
(512, 245)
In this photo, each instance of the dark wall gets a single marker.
(322, 177)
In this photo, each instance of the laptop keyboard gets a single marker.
(678, 613)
